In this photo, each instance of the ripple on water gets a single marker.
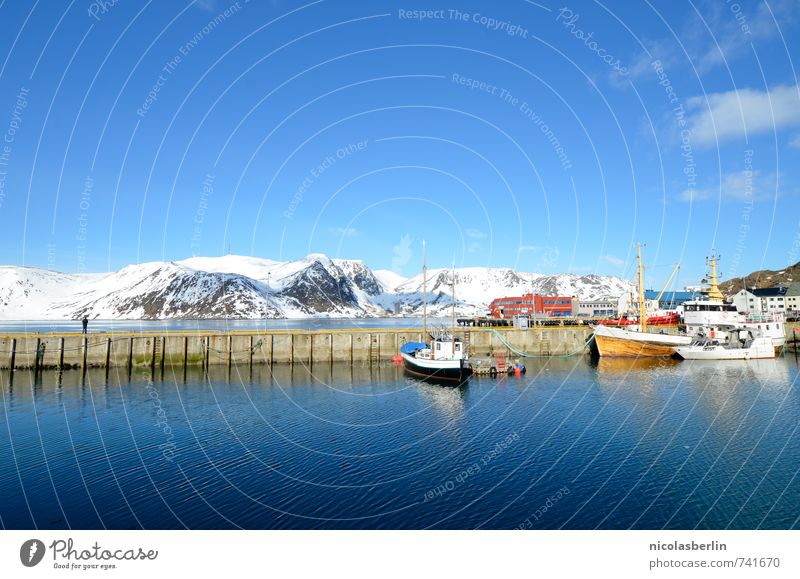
(649, 444)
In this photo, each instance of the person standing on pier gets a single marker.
(85, 323)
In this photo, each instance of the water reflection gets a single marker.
(445, 399)
(614, 367)
(341, 446)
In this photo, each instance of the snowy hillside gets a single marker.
(239, 287)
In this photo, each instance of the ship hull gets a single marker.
(451, 371)
(759, 351)
(615, 342)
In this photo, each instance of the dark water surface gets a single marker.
(573, 444)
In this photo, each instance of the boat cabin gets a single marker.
(447, 348)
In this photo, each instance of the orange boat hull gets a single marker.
(622, 348)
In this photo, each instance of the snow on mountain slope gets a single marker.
(29, 293)
(168, 290)
(388, 279)
(253, 267)
(240, 287)
(476, 287)
(361, 276)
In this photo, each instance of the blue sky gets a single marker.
(541, 136)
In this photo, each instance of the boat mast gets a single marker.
(424, 292)
(642, 308)
(453, 321)
(713, 292)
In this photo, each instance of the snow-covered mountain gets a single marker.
(240, 287)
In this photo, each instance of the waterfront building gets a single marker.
(533, 305)
(767, 300)
(792, 298)
(599, 308)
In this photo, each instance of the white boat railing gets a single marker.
(764, 318)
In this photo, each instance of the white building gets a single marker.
(600, 308)
(765, 300)
(793, 298)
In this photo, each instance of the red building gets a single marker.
(529, 304)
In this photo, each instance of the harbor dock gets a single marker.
(364, 346)
(371, 346)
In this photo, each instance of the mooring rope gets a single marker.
(57, 349)
(527, 355)
(248, 351)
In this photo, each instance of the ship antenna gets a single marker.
(454, 300)
(424, 292)
(642, 308)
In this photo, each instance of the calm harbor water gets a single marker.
(575, 443)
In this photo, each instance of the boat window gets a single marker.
(438, 346)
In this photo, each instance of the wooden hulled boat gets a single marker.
(636, 341)
(627, 343)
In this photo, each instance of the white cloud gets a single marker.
(343, 231)
(475, 234)
(742, 186)
(527, 248)
(613, 260)
(206, 5)
(736, 113)
(716, 36)
(735, 28)
(795, 142)
(474, 247)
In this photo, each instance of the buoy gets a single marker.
(517, 370)
(397, 359)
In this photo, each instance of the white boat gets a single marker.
(737, 344)
(714, 318)
(443, 359)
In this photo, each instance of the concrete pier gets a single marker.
(205, 349)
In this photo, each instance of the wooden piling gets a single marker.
(37, 355)
(108, 356)
(365, 346)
